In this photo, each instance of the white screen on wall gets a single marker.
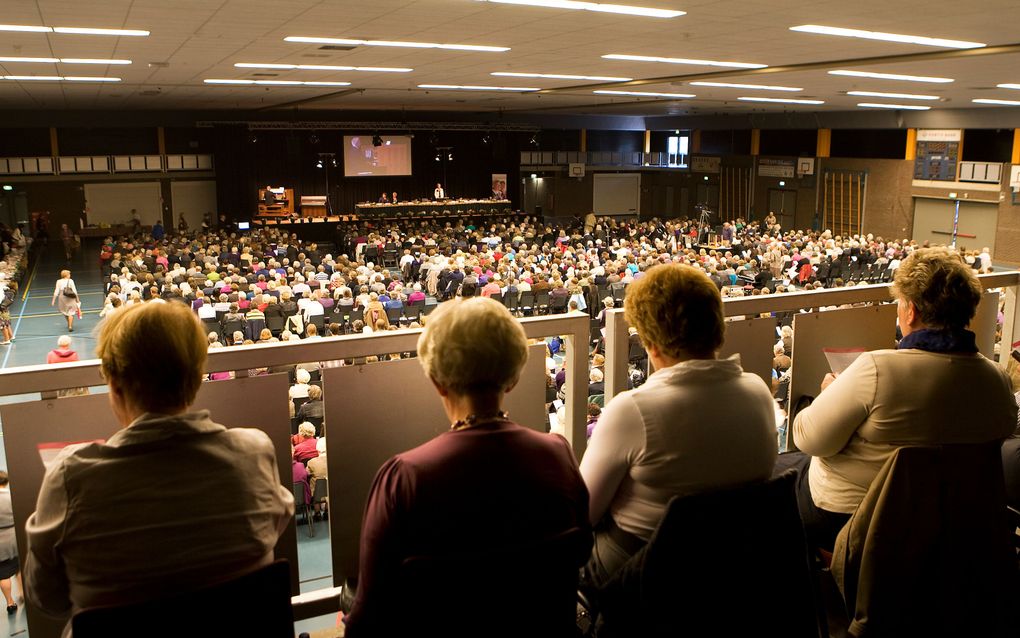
(112, 203)
(362, 159)
(193, 199)
(616, 193)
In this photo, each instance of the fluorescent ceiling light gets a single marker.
(1009, 86)
(57, 78)
(390, 43)
(64, 60)
(779, 100)
(36, 60)
(72, 30)
(895, 96)
(906, 107)
(653, 58)
(472, 87)
(729, 85)
(561, 76)
(274, 82)
(91, 31)
(37, 78)
(999, 102)
(92, 61)
(643, 93)
(70, 78)
(322, 67)
(891, 76)
(25, 27)
(595, 6)
(887, 37)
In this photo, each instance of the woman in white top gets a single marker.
(698, 423)
(66, 293)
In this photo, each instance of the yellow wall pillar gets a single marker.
(755, 141)
(161, 140)
(648, 141)
(824, 145)
(54, 147)
(911, 151)
(1016, 146)
(584, 140)
(695, 145)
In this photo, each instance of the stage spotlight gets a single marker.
(534, 140)
(449, 157)
(333, 162)
(486, 139)
(377, 140)
(438, 158)
(253, 139)
(313, 139)
(318, 164)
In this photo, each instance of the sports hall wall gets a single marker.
(245, 160)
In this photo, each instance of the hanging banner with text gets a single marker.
(704, 164)
(770, 167)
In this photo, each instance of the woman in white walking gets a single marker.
(67, 294)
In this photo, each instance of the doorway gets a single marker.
(784, 204)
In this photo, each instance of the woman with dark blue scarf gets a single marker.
(934, 389)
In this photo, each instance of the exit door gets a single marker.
(784, 204)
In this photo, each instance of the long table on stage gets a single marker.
(444, 208)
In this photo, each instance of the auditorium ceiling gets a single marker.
(411, 54)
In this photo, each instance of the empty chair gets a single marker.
(256, 604)
(735, 559)
(558, 304)
(526, 305)
(319, 321)
(542, 299)
(275, 324)
(211, 325)
(300, 506)
(618, 291)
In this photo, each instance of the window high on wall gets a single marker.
(677, 149)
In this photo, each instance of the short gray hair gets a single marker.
(473, 345)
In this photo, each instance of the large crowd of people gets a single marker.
(646, 445)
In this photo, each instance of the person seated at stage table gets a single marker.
(936, 389)
(393, 198)
(523, 486)
(439, 193)
(103, 507)
(383, 199)
(653, 442)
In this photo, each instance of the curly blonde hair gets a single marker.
(944, 290)
(677, 309)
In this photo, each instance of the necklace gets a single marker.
(473, 420)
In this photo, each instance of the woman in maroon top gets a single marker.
(304, 443)
(485, 483)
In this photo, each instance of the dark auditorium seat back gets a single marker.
(734, 560)
(524, 590)
(928, 551)
(256, 604)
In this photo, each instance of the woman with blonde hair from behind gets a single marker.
(698, 424)
(104, 506)
(483, 483)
